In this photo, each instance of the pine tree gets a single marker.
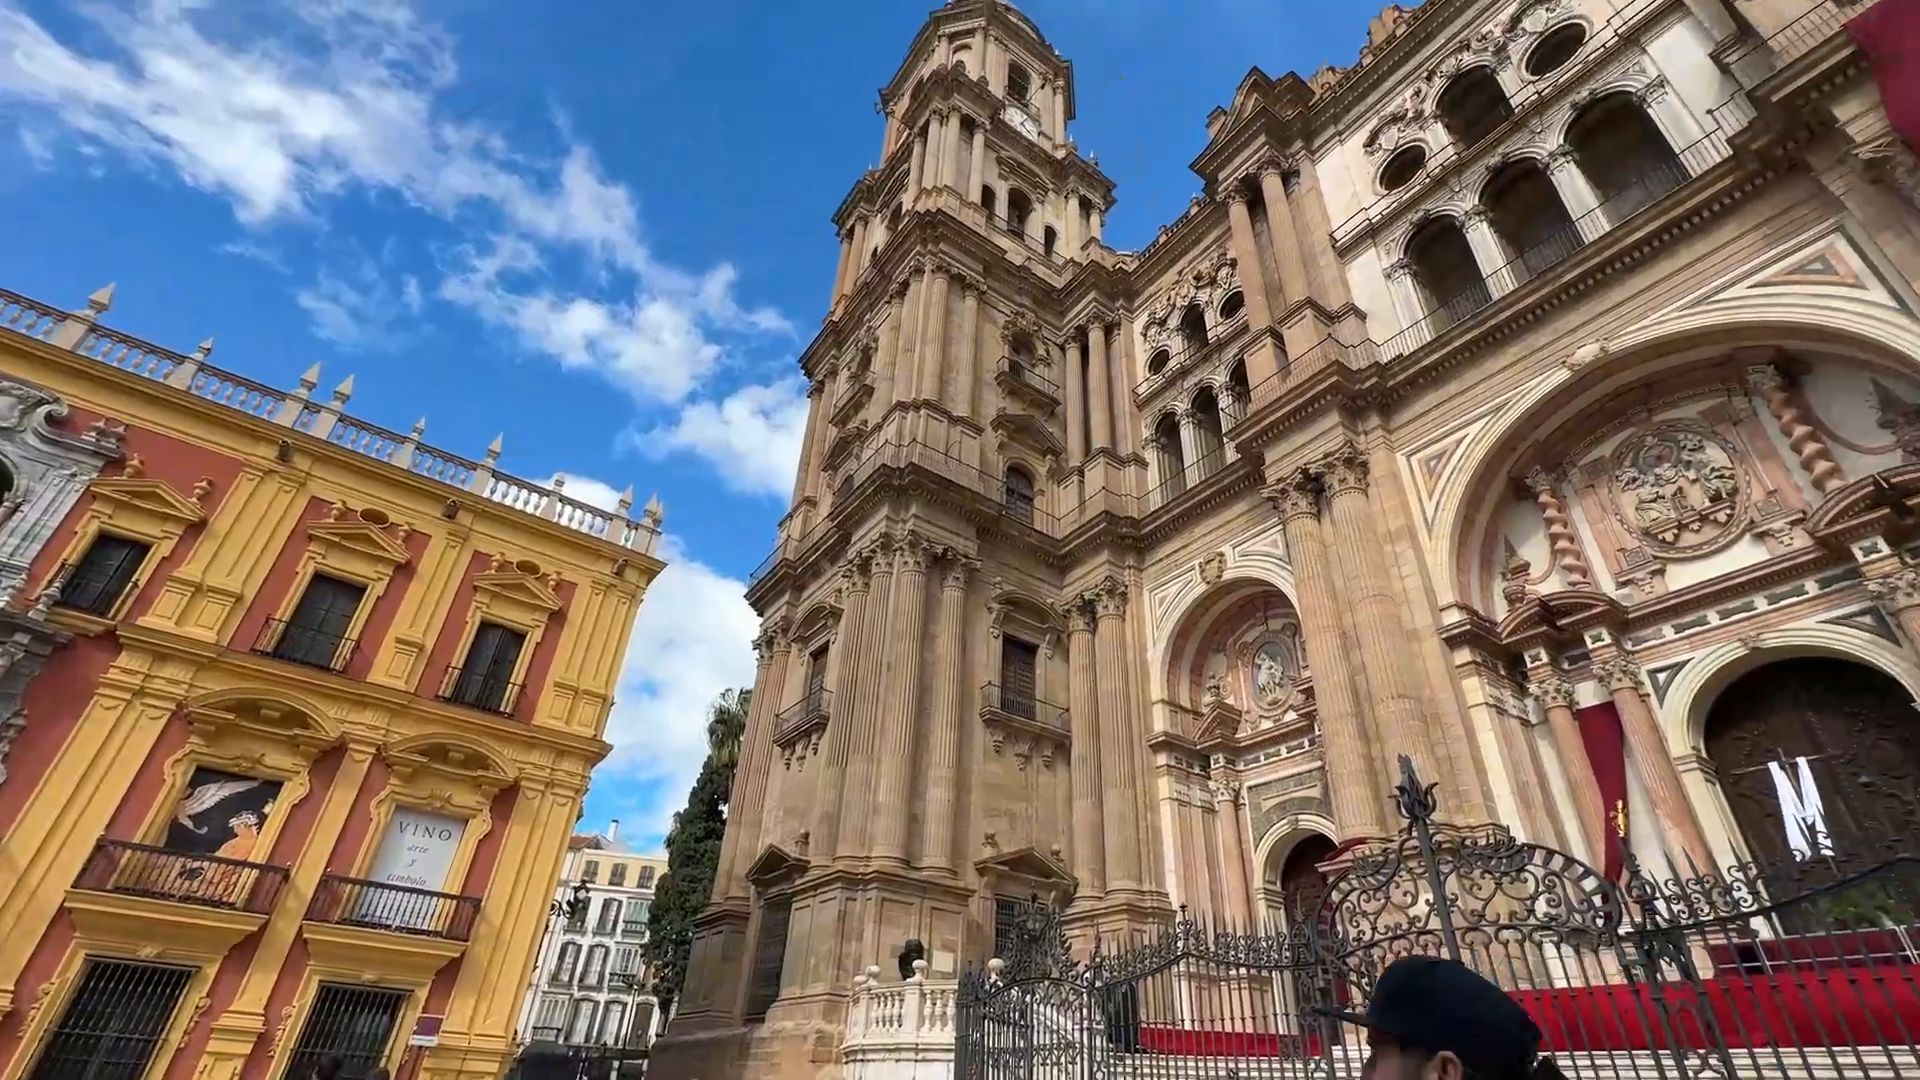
(693, 850)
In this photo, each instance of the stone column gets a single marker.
(1076, 405)
(741, 844)
(1073, 226)
(1118, 754)
(899, 721)
(977, 163)
(1408, 305)
(1354, 790)
(1263, 361)
(848, 665)
(933, 335)
(1802, 438)
(1897, 590)
(1189, 442)
(1286, 241)
(1089, 848)
(1576, 192)
(1368, 592)
(858, 264)
(916, 161)
(1093, 222)
(1233, 853)
(1648, 748)
(846, 259)
(1487, 253)
(969, 367)
(1099, 394)
(1555, 695)
(863, 726)
(1126, 420)
(1566, 543)
(943, 734)
(1059, 111)
(936, 132)
(804, 481)
(950, 151)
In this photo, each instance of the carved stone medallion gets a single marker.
(1680, 488)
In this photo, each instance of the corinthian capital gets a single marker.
(1108, 598)
(1344, 470)
(1226, 791)
(912, 553)
(1294, 496)
(1078, 613)
(1617, 674)
(1552, 691)
(1897, 591)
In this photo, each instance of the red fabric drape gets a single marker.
(1607, 753)
(1889, 33)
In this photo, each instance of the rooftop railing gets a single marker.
(81, 332)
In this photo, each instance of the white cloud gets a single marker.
(752, 436)
(693, 639)
(597, 493)
(356, 308)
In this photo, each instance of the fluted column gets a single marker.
(1089, 845)
(847, 662)
(1233, 852)
(1565, 542)
(1189, 442)
(1896, 588)
(1651, 759)
(1802, 438)
(1246, 257)
(1555, 695)
(1487, 253)
(1383, 638)
(1353, 788)
(900, 718)
(1099, 388)
(804, 481)
(1286, 241)
(767, 680)
(1118, 754)
(1576, 191)
(933, 336)
(1076, 405)
(977, 163)
(943, 734)
(950, 163)
(916, 161)
(846, 260)
(859, 261)
(863, 730)
(969, 367)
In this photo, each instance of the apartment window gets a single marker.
(613, 1023)
(618, 875)
(609, 917)
(635, 925)
(550, 1018)
(626, 961)
(640, 1032)
(115, 1021)
(593, 974)
(591, 873)
(1019, 671)
(566, 963)
(580, 1024)
(315, 633)
(352, 1023)
(485, 679)
(769, 957)
(96, 583)
(646, 878)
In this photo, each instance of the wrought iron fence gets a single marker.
(311, 646)
(1797, 966)
(479, 688)
(347, 901)
(1021, 703)
(186, 877)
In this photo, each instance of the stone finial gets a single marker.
(342, 392)
(656, 511)
(203, 350)
(494, 447)
(101, 299)
(309, 379)
(419, 429)
(202, 488)
(626, 501)
(560, 483)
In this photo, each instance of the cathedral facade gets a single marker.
(1537, 397)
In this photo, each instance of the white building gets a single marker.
(590, 987)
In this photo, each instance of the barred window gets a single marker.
(352, 1023)
(114, 1021)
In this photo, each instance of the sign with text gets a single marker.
(416, 853)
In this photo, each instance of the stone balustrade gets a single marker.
(80, 332)
(901, 1031)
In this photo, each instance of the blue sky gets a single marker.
(599, 227)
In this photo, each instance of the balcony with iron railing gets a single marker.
(191, 373)
(814, 709)
(306, 645)
(479, 689)
(183, 877)
(1223, 337)
(1190, 476)
(400, 909)
(1021, 375)
(1021, 704)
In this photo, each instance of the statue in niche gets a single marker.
(1676, 486)
(1270, 679)
(1216, 691)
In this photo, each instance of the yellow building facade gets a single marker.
(296, 717)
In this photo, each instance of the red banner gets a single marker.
(1607, 752)
(1889, 33)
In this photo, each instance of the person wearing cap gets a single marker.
(1435, 1019)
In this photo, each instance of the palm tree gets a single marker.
(726, 723)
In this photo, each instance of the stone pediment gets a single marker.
(1030, 865)
(361, 538)
(1869, 504)
(149, 497)
(1561, 614)
(775, 865)
(522, 589)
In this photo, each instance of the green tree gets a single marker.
(693, 849)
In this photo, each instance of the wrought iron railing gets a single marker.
(1188, 476)
(1813, 26)
(816, 704)
(129, 869)
(403, 909)
(480, 689)
(308, 645)
(1025, 370)
(1022, 704)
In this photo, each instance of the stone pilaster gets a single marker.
(1233, 851)
(863, 730)
(969, 368)
(933, 338)
(1089, 845)
(1099, 392)
(849, 656)
(1119, 756)
(900, 717)
(943, 734)
(1352, 785)
(1076, 404)
(742, 844)
(1555, 695)
(1280, 230)
(1263, 363)
(1648, 748)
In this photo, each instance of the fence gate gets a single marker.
(1802, 967)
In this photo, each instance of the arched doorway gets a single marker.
(1817, 757)
(1302, 883)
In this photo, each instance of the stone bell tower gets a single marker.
(946, 716)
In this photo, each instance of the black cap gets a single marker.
(1437, 1004)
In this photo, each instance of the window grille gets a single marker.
(769, 957)
(485, 679)
(316, 633)
(352, 1023)
(96, 583)
(114, 1022)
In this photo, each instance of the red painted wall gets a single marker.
(539, 666)
(386, 609)
(353, 832)
(55, 699)
(40, 968)
(150, 782)
(479, 873)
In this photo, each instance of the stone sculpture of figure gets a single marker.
(914, 949)
(1269, 674)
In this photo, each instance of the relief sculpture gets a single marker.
(1679, 488)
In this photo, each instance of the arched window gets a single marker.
(1234, 304)
(1019, 84)
(989, 200)
(1623, 155)
(1446, 272)
(1553, 51)
(1157, 363)
(1208, 442)
(1048, 237)
(1239, 393)
(1019, 209)
(1173, 456)
(1402, 167)
(1193, 327)
(1473, 106)
(1018, 494)
(1530, 220)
